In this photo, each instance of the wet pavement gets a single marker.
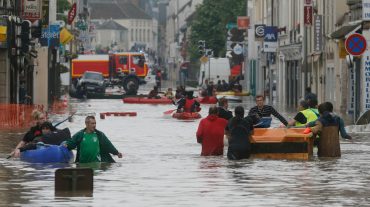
(162, 167)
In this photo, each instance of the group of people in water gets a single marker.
(93, 145)
(210, 89)
(318, 119)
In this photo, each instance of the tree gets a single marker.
(210, 22)
(62, 6)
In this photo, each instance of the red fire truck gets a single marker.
(127, 69)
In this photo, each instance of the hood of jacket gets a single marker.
(212, 117)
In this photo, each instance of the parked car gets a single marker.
(92, 82)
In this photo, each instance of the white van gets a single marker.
(219, 70)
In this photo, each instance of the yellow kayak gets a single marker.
(233, 93)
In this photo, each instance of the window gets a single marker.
(138, 60)
(132, 34)
(123, 60)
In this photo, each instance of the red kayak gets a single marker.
(207, 100)
(187, 115)
(145, 100)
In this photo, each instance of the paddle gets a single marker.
(68, 118)
(169, 111)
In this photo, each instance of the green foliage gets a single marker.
(63, 5)
(209, 24)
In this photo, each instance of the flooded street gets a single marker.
(161, 166)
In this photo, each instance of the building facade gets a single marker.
(306, 55)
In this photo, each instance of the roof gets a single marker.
(133, 12)
(344, 30)
(116, 10)
(106, 11)
(111, 25)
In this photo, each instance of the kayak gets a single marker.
(230, 98)
(187, 115)
(281, 143)
(233, 93)
(207, 100)
(47, 154)
(145, 100)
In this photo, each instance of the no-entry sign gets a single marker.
(355, 44)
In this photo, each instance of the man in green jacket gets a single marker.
(92, 144)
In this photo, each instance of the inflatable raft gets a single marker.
(187, 115)
(234, 99)
(47, 154)
(281, 143)
(145, 100)
(207, 100)
(233, 93)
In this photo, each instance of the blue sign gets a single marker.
(271, 34)
(270, 39)
(355, 44)
(50, 36)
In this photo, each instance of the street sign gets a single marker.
(259, 31)
(243, 22)
(238, 49)
(366, 10)
(72, 13)
(204, 59)
(355, 44)
(231, 25)
(307, 15)
(318, 41)
(50, 36)
(31, 10)
(270, 39)
(365, 70)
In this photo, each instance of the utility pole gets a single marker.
(246, 60)
(269, 59)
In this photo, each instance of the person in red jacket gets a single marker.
(188, 104)
(210, 133)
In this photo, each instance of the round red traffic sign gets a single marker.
(355, 44)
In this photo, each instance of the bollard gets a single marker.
(74, 182)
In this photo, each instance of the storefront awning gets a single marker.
(344, 30)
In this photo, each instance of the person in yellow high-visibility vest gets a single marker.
(304, 116)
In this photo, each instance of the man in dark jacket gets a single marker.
(264, 112)
(92, 144)
(238, 131)
(223, 111)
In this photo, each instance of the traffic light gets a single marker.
(201, 46)
(25, 36)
